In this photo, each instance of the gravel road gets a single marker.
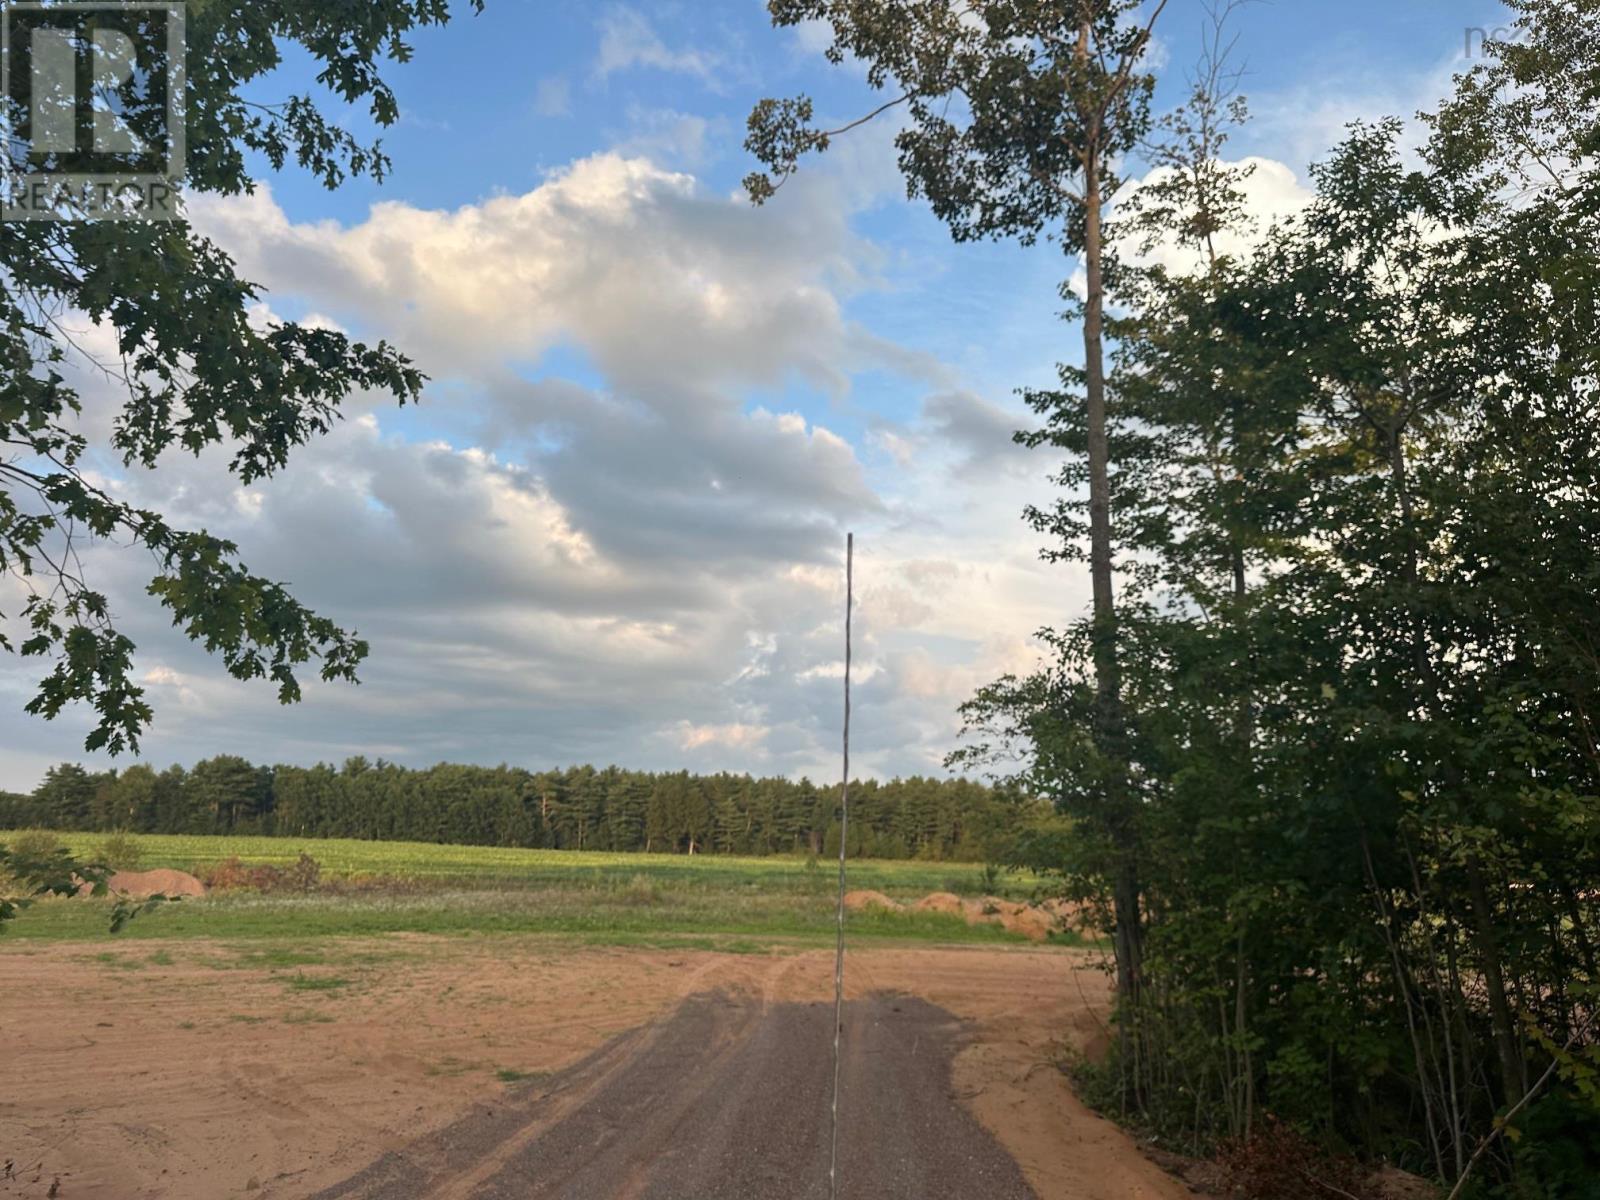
(727, 1099)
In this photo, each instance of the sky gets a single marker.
(613, 531)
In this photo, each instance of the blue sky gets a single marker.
(612, 531)
(494, 103)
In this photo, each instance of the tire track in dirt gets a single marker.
(727, 1099)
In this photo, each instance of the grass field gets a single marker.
(727, 903)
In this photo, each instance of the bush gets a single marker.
(302, 875)
(1558, 1152)
(120, 852)
(231, 875)
(35, 843)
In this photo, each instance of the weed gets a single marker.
(318, 983)
(641, 889)
(510, 1075)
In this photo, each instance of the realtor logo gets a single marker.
(92, 109)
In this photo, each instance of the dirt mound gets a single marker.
(1032, 922)
(940, 902)
(140, 884)
(861, 901)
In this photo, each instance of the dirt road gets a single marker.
(501, 1066)
(726, 1100)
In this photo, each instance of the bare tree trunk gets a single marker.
(1108, 675)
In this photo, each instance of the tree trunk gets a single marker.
(1108, 676)
(1513, 1074)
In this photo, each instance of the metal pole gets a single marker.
(844, 830)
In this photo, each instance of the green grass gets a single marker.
(733, 922)
(502, 867)
(733, 904)
(511, 1075)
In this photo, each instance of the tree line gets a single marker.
(580, 808)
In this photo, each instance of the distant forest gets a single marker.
(580, 808)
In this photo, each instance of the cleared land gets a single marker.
(190, 1070)
(630, 1044)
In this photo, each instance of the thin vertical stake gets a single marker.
(844, 830)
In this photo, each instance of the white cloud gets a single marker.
(629, 41)
(1271, 191)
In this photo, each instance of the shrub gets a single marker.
(35, 843)
(120, 852)
(1558, 1152)
(231, 875)
(302, 875)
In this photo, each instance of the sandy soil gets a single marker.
(216, 1075)
(725, 1099)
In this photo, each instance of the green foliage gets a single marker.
(120, 852)
(1355, 475)
(1557, 1150)
(199, 373)
(579, 809)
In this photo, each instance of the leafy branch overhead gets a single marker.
(192, 371)
(1004, 102)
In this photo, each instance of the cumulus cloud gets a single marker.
(604, 536)
(1271, 190)
(657, 279)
